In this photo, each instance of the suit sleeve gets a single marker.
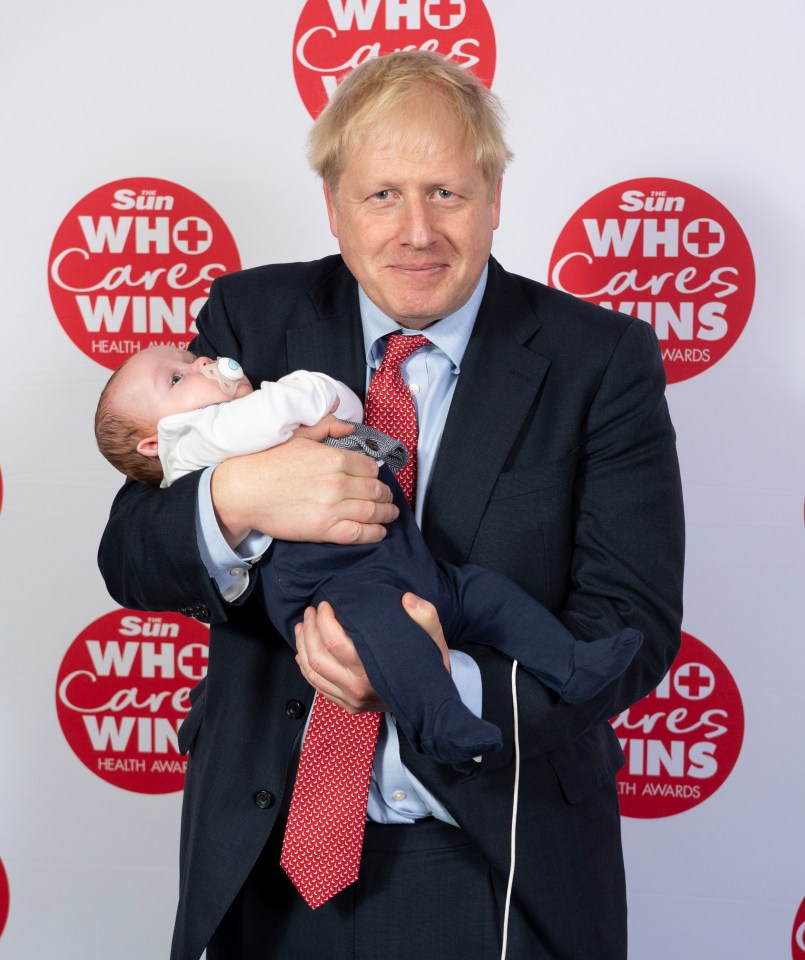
(148, 555)
(628, 551)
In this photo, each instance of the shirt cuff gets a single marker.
(227, 567)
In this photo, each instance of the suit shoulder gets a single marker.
(279, 277)
(578, 317)
(564, 327)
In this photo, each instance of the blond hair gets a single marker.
(380, 89)
(117, 436)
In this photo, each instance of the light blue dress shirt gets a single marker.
(395, 795)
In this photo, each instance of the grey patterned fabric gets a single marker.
(375, 444)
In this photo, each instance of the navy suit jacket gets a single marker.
(575, 496)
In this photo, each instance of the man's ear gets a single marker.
(331, 213)
(496, 204)
(148, 447)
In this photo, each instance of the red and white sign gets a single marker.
(5, 897)
(668, 253)
(798, 934)
(122, 692)
(681, 741)
(131, 266)
(335, 36)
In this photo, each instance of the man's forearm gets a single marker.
(148, 555)
(229, 566)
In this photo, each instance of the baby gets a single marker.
(166, 412)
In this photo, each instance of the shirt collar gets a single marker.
(451, 334)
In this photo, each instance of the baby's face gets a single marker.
(164, 380)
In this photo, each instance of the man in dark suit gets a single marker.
(546, 453)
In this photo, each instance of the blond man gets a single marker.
(573, 491)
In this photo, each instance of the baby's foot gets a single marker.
(459, 735)
(598, 663)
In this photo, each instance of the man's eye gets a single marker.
(382, 195)
(444, 194)
(175, 379)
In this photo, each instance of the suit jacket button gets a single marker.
(264, 799)
(294, 709)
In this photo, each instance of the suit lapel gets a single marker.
(499, 382)
(332, 342)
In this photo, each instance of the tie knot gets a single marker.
(400, 347)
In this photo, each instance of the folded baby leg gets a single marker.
(598, 662)
(406, 670)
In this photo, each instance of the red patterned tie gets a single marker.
(321, 852)
(390, 406)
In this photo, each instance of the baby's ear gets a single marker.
(148, 447)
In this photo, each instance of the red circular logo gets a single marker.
(668, 253)
(798, 934)
(131, 266)
(335, 36)
(5, 897)
(682, 740)
(122, 692)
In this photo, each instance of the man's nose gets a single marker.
(416, 228)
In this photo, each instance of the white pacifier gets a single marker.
(228, 373)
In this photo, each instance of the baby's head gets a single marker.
(152, 384)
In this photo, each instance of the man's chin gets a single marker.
(417, 321)
(418, 313)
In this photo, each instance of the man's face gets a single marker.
(415, 225)
(167, 380)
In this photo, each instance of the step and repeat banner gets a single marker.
(657, 171)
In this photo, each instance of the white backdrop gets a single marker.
(708, 92)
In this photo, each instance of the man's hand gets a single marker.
(303, 490)
(424, 615)
(329, 661)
